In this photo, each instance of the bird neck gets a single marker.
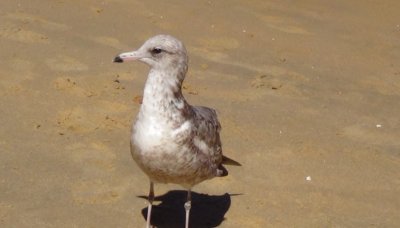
(162, 92)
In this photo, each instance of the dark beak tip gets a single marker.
(118, 60)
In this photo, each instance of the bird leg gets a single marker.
(151, 198)
(188, 205)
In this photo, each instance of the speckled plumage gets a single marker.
(172, 141)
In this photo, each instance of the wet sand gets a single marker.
(307, 93)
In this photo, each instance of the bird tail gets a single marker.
(229, 161)
(222, 171)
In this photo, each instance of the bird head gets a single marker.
(159, 52)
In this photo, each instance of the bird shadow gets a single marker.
(206, 210)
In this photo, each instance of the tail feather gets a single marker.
(221, 172)
(229, 161)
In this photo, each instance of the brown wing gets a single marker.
(208, 128)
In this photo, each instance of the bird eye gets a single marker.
(156, 51)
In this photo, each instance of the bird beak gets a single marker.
(127, 56)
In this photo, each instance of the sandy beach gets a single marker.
(307, 92)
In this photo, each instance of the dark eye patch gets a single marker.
(156, 51)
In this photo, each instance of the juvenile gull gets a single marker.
(172, 141)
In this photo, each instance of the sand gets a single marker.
(307, 94)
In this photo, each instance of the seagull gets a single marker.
(172, 141)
